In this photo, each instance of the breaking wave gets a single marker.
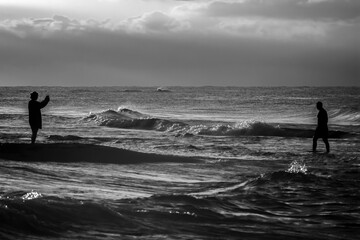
(129, 119)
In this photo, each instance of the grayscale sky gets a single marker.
(181, 43)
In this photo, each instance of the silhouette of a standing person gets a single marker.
(35, 114)
(322, 128)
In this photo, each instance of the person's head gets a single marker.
(319, 105)
(34, 96)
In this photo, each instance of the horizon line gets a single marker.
(179, 86)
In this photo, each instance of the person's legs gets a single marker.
(34, 134)
(315, 138)
(327, 144)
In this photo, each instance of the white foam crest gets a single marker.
(31, 195)
(297, 167)
(220, 190)
(250, 127)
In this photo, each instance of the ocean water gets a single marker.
(255, 177)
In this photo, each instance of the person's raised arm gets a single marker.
(45, 101)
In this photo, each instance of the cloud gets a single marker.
(278, 19)
(296, 20)
(190, 19)
(284, 9)
(102, 56)
(154, 22)
(185, 46)
(46, 26)
(275, 29)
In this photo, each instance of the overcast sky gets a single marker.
(181, 43)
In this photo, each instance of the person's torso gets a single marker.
(322, 118)
(34, 109)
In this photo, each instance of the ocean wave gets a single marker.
(297, 173)
(256, 128)
(52, 216)
(120, 113)
(277, 197)
(12, 116)
(165, 215)
(247, 128)
(345, 117)
(24, 213)
(267, 180)
(130, 119)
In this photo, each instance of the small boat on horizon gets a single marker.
(161, 89)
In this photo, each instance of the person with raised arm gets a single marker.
(35, 120)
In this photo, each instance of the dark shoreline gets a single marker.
(76, 152)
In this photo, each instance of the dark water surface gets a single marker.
(255, 178)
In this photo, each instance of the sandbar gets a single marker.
(77, 152)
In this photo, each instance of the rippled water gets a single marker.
(255, 178)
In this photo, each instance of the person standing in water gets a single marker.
(322, 128)
(35, 114)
